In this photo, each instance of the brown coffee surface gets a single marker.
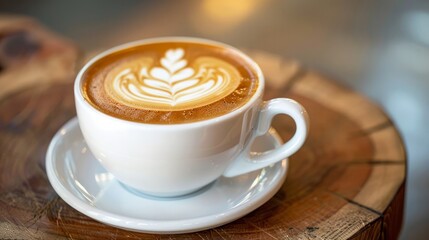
(169, 82)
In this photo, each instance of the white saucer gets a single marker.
(85, 185)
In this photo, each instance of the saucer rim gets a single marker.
(149, 225)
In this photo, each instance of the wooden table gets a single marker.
(347, 182)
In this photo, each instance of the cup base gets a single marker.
(169, 195)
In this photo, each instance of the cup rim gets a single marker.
(259, 91)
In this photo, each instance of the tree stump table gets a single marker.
(347, 182)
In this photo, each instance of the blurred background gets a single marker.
(379, 48)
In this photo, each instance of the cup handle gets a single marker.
(248, 161)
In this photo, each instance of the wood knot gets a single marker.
(312, 229)
(17, 47)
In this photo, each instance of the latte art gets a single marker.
(169, 82)
(173, 83)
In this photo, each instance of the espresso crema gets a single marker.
(169, 82)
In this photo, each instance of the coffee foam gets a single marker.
(175, 84)
(116, 83)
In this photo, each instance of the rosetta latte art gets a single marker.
(173, 83)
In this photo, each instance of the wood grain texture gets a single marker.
(347, 182)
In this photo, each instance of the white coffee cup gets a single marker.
(176, 159)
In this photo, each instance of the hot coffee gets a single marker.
(169, 82)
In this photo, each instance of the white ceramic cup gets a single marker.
(175, 159)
